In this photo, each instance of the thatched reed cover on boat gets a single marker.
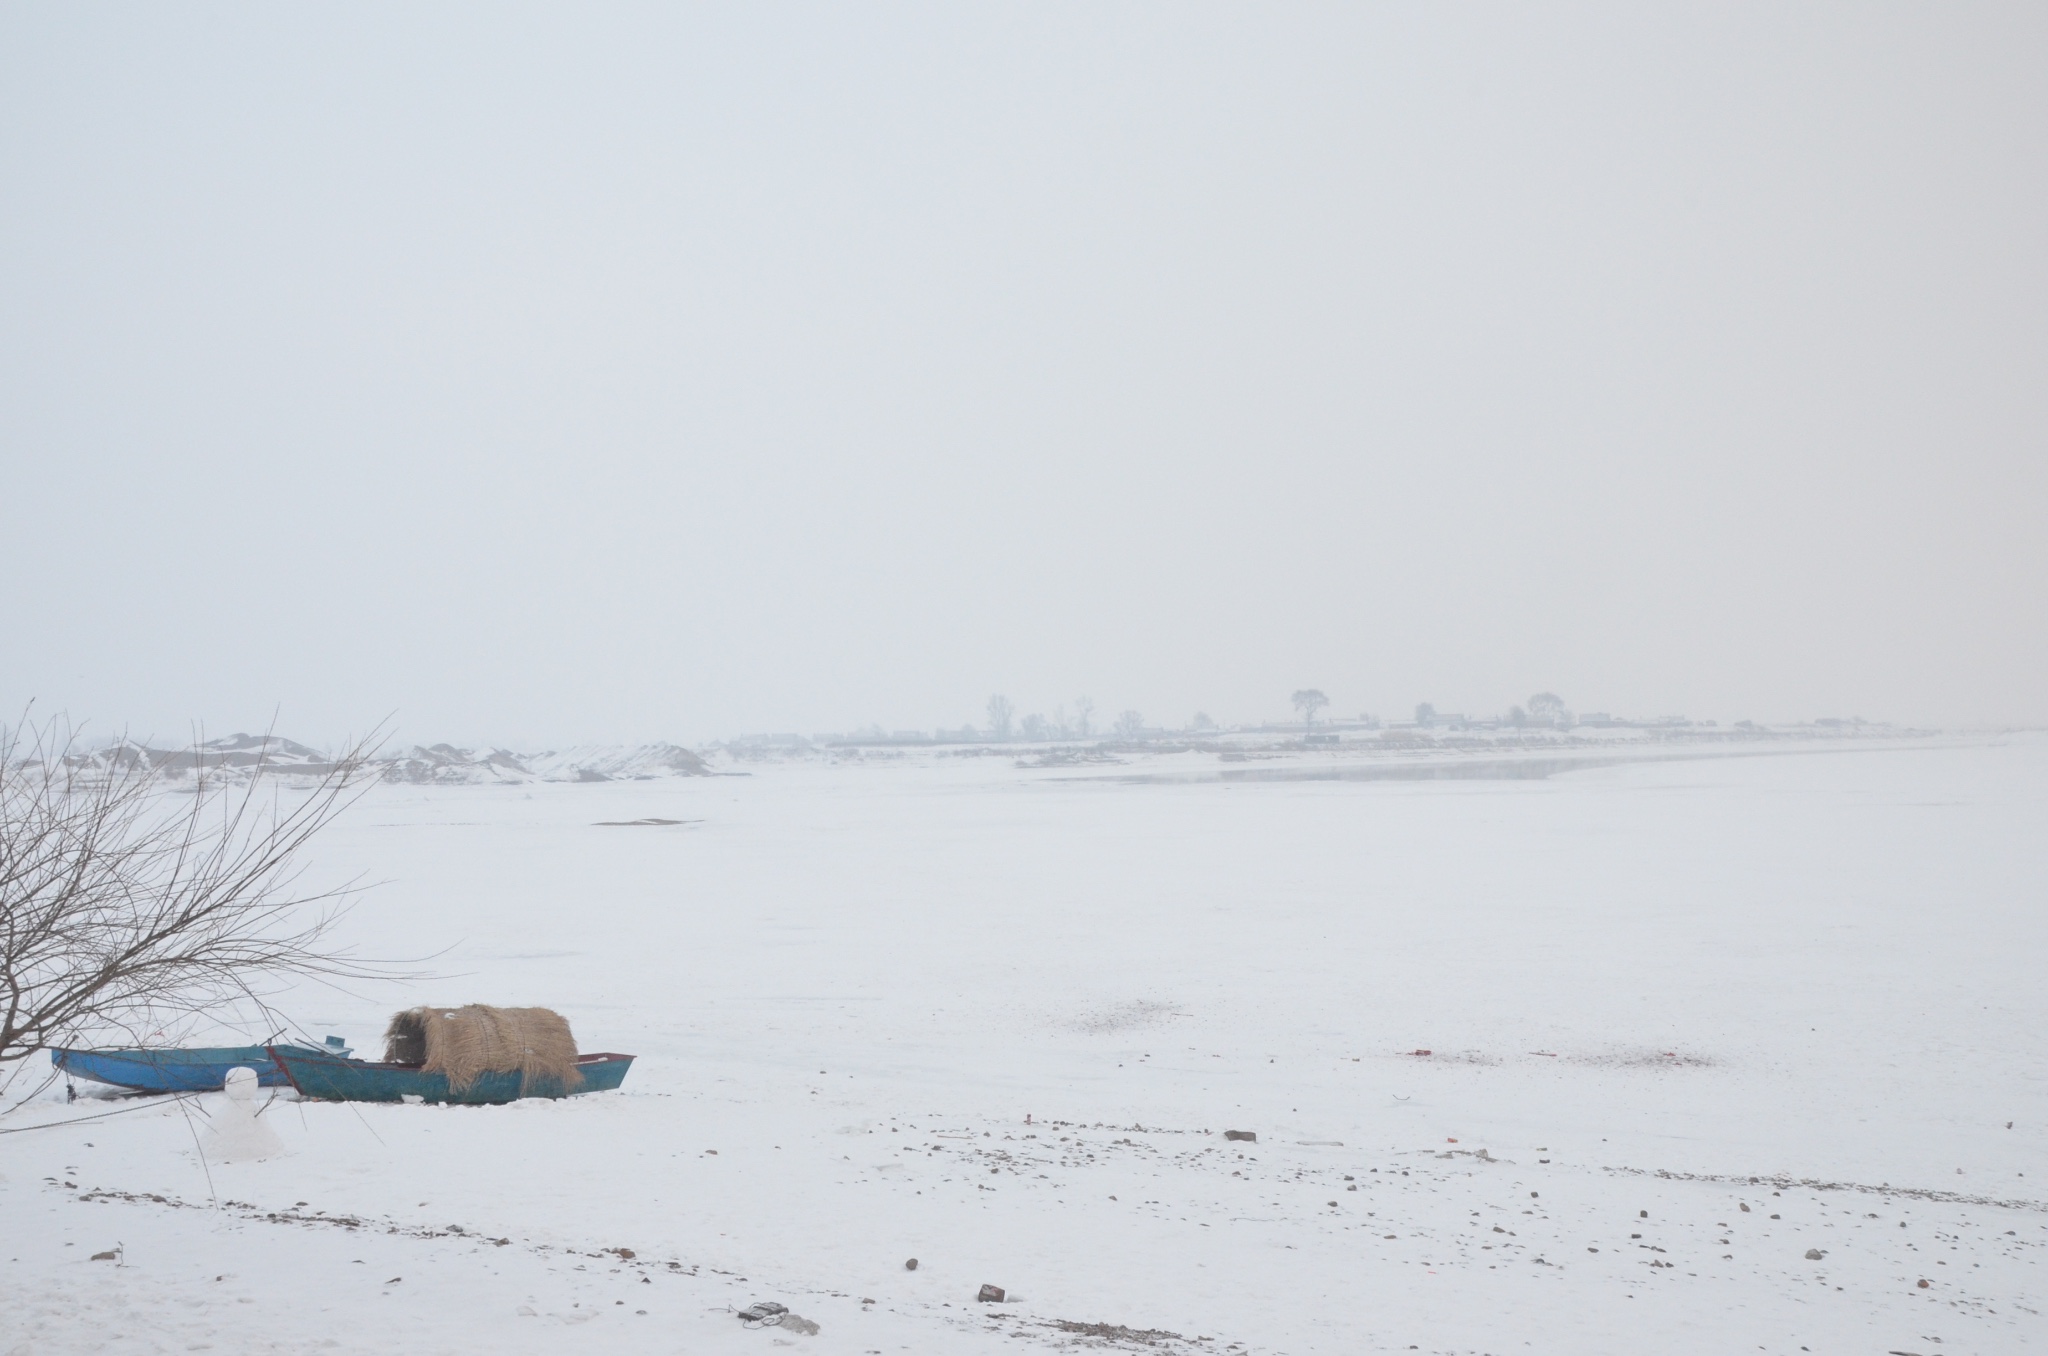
(468, 1042)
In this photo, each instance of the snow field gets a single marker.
(855, 984)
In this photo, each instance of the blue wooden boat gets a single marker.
(334, 1079)
(202, 1069)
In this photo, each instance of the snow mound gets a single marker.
(239, 756)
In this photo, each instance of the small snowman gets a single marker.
(235, 1134)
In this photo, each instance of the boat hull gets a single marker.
(328, 1079)
(196, 1070)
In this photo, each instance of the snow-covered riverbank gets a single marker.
(997, 1019)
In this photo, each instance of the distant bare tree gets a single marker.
(1201, 723)
(1308, 701)
(126, 902)
(1517, 716)
(1425, 714)
(1130, 725)
(1084, 712)
(1000, 713)
(1035, 728)
(1547, 707)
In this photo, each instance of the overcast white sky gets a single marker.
(542, 374)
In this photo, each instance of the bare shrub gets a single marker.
(132, 895)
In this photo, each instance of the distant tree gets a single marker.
(1035, 728)
(1424, 714)
(1547, 707)
(1084, 712)
(1201, 723)
(1517, 716)
(1130, 725)
(1308, 701)
(1000, 712)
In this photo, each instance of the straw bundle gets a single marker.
(467, 1042)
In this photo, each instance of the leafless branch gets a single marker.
(132, 891)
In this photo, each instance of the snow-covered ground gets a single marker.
(1689, 1022)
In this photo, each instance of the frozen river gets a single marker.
(1687, 1021)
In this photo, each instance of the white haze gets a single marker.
(555, 373)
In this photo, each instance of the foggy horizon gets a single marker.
(1590, 460)
(531, 377)
(1062, 726)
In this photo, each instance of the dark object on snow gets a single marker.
(1422, 1052)
(1248, 1136)
(990, 1294)
(1117, 1332)
(911, 1265)
(764, 1314)
(1814, 1254)
(361, 1080)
